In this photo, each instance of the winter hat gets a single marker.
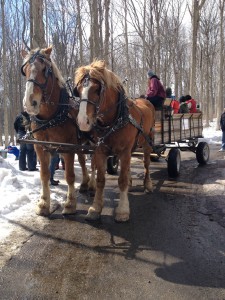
(150, 73)
(168, 92)
(182, 99)
(188, 97)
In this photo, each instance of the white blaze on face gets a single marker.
(82, 117)
(29, 93)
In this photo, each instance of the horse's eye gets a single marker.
(41, 60)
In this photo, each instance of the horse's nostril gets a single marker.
(34, 103)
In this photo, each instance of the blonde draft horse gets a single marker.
(119, 125)
(53, 119)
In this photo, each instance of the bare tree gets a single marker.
(94, 31)
(107, 31)
(81, 59)
(37, 30)
(220, 95)
(195, 15)
(5, 94)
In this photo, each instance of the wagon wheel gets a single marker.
(112, 165)
(202, 153)
(173, 162)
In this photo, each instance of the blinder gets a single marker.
(32, 59)
(86, 79)
(48, 69)
(75, 92)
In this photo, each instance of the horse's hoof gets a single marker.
(148, 188)
(122, 217)
(69, 210)
(92, 215)
(83, 188)
(148, 191)
(42, 211)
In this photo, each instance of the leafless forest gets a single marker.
(182, 40)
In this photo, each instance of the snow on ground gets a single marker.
(19, 191)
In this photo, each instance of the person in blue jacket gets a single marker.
(27, 155)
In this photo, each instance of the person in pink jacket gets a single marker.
(155, 93)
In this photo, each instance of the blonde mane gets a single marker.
(55, 69)
(98, 71)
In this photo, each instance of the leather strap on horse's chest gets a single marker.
(60, 116)
(124, 117)
(140, 129)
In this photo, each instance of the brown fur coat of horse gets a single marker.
(100, 93)
(42, 101)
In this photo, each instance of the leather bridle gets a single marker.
(48, 73)
(85, 82)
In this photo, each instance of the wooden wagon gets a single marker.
(178, 132)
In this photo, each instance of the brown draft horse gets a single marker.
(119, 125)
(53, 118)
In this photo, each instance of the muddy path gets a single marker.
(172, 248)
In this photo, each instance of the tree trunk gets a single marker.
(38, 30)
(220, 102)
(196, 8)
(94, 32)
(126, 43)
(107, 32)
(80, 33)
(5, 88)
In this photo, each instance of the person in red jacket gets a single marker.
(155, 93)
(191, 104)
(175, 106)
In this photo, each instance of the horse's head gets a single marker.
(37, 67)
(97, 88)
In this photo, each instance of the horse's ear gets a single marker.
(23, 53)
(48, 50)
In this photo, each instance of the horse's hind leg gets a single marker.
(122, 212)
(85, 176)
(147, 180)
(70, 204)
(92, 182)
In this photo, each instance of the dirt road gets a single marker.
(172, 248)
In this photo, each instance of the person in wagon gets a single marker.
(156, 93)
(175, 105)
(191, 104)
(183, 105)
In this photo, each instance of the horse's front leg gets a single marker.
(43, 205)
(122, 212)
(95, 210)
(147, 180)
(85, 176)
(71, 201)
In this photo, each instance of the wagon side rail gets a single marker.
(177, 127)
